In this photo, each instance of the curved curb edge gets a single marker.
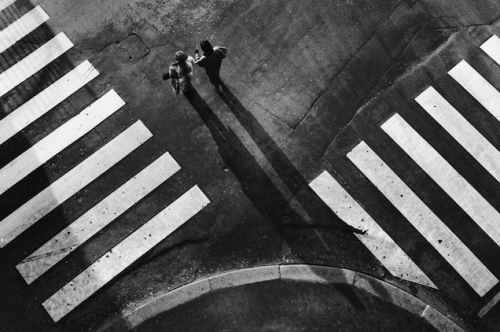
(298, 272)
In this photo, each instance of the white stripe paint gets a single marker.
(22, 27)
(125, 253)
(59, 139)
(444, 175)
(73, 181)
(423, 219)
(461, 130)
(46, 100)
(97, 218)
(5, 3)
(493, 302)
(31, 64)
(478, 87)
(492, 48)
(380, 244)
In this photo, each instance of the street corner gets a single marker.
(287, 296)
(339, 170)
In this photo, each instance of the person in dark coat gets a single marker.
(211, 60)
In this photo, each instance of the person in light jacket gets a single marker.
(211, 60)
(185, 65)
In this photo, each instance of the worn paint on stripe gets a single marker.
(59, 139)
(46, 100)
(73, 181)
(444, 175)
(34, 62)
(125, 253)
(493, 302)
(492, 48)
(478, 87)
(380, 244)
(461, 130)
(97, 218)
(5, 3)
(22, 27)
(423, 219)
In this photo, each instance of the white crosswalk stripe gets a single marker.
(492, 48)
(451, 248)
(129, 250)
(73, 181)
(380, 244)
(58, 140)
(6, 3)
(46, 100)
(34, 62)
(461, 130)
(478, 87)
(97, 218)
(444, 175)
(22, 27)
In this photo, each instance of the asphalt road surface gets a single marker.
(353, 134)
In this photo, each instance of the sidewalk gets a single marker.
(285, 298)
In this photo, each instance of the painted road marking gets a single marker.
(494, 301)
(423, 219)
(22, 27)
(31, 64)
(46, 100)
(125, 253)
(444, 175)
(73, 181)
(461, 130)
(59, 139)
(98, 217)
(380, 244)
(5, 3)
(478, 87)
(492, 48)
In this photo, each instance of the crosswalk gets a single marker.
(37, 106)
(104, 212)
(378, 171)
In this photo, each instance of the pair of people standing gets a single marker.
(182, 71)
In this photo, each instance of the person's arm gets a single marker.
(221, 50)
(201, 61)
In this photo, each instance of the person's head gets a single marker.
(180, 57)
(206, 47)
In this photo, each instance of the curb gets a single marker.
(298, 272)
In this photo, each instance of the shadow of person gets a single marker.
(256, 184)
(260, 188)
(319, 213)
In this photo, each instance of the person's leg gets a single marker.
(216, 82)
(175, 85)
(186, 84)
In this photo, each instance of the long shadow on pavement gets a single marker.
(315, 208)
(256, 184)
